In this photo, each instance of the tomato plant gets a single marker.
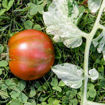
(31, 54)
(64, 26)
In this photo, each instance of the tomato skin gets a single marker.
(31, 54)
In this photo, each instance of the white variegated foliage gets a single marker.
(61, 25)
(94, 5)
(70, 74)
(93, 74)
(99, 42)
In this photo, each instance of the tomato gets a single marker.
(31, 54)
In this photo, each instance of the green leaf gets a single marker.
(50, 100)
(11, 84)
(70, 74)
(14, 102)
(37, 27)
(28, 24)
(94, 5)
(53, 101)
(57, 88)
(56, 102)
(61, 84)
(32, 92)
(32, 102)
(43, 103)
(5, 3)
(62, 26)
(33, 9)
(21, 85)
(3, 86)
(14, 94)
(72, 93)
(40, 8)
(4, 94)
(23, 98)
(54, 82)
(102, 83)
(10, 4)
(3, 63)
(27, 103)
(2, 11)
(91, 91)
(1, 71)
(74, 102)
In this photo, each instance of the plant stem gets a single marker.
(97, 22)
(86, 60)
(86, 55)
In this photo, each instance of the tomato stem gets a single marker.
(86, 60)
(89, 39)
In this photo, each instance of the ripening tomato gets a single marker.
(31, 54)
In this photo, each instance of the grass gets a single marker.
(48, 90)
